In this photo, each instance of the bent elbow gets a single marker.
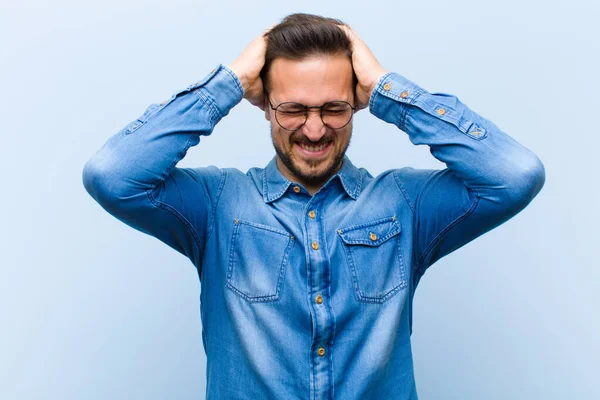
(528, 182)
(100, 181)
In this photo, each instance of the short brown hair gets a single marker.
(299, 36)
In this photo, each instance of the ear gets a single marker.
(267, 110)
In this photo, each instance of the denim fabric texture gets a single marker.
(310, 297)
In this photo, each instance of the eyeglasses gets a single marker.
(292, 116)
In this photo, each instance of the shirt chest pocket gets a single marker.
(374, 257)
(257, 261)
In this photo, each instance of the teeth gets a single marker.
(312, 148)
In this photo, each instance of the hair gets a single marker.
(300, 36)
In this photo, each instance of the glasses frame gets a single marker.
(306, 108)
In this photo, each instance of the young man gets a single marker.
(308, 266)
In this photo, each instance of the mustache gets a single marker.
(300, 138)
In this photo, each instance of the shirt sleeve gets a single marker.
(489, 176)
(134, 176)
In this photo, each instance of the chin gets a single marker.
(314, 173)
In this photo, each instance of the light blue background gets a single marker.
(91, 309)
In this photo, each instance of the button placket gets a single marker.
(318, 290)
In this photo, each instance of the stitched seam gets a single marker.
(180, 155)
(178, 215)
(263, 227)
(377, 89)
(265, 186)
(210, 229)
(404, 192)
(281, 276)
(405, 110)
(235, 79)
(358, 294)
(365, 224)
(213, 110)
(445, 231)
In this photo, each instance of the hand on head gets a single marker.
(250, 62)
(247, 67)
(366, 67)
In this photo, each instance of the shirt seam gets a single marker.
(404, 192)
(159, 204)
(215, 115)
(210, 228)
(443, 232)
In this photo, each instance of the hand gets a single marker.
(366, 67)
(247, 67)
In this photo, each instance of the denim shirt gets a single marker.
(310, 297)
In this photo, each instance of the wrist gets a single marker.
(375, 80)
(241, 76)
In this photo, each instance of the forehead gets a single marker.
(312, 81)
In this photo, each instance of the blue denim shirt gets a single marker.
(310, 297)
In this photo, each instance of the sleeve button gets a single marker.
(387, 86)
(404, 94)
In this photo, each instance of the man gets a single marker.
(308, 267)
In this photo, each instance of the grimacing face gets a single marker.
(313, 153)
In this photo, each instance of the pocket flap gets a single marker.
(371, 233)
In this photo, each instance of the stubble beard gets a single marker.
(314, 178)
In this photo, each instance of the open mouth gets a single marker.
(312, 150)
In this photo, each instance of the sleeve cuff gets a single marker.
(391, 96)
(222, 88)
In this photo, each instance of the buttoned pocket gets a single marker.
(257, 261)
(374, 256)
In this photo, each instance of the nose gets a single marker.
(314, 128)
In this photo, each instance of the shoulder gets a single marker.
(408, 180)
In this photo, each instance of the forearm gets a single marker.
(485, 158)
(141, 155)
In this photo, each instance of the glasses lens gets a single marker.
(337, 114)
(291, 115)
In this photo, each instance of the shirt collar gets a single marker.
(275, 184)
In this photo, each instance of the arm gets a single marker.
(489, 176)
(134, 175)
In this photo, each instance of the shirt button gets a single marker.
(297, 189)
(312, 214)
(373, 236)
(319, 299)
(321, 351)
(441, 111)
(315, 245)
(387, 86)
(404, 94)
